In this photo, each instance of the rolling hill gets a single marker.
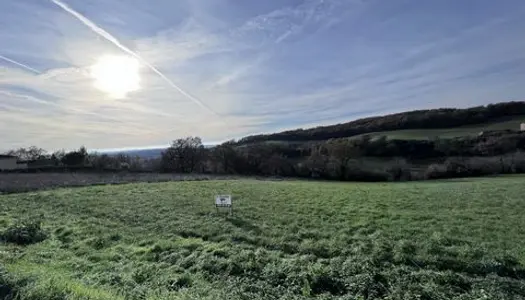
(419, 124)
(146, 153)
(143, 153)
(512, 123)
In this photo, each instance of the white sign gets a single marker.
(223, 200)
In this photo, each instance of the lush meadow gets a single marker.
(511, 123)
(455, 239)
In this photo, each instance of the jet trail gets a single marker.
(110, 38)
(20, 64)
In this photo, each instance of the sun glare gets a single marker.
(116, 75)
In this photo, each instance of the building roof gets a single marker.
(39, 160)
(3, 156)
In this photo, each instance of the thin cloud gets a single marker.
(106, 35)
(20, 64)
(72, 110)
(280, 64)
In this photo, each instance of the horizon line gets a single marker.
(110, 150)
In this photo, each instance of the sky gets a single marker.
(137, 73)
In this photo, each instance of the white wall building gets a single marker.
(21, 165)
(522, 127)
(8, 162)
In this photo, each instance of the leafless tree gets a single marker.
(30, 153)
(184, 155)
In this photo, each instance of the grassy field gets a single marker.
(456, 239)
(470, 130)
(512, 123)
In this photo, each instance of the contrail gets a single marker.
(106, 35)
(20, 64)
(71, 109)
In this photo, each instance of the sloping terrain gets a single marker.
(512, 123)
(419, 124)
(461, 239)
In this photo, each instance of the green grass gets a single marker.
(470, 130)
(512, 123)
(455, 239)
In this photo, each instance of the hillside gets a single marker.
(507, 123)
(146, 153)
(142, 153)
(420, 124)
(459, 239)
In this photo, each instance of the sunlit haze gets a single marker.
(116, 75)
(120, 74)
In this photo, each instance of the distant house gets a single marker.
(522, 127)
(39, 163)
(21, 165)
(8, 162)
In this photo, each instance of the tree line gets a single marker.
(39, 158)
(34, 153)
(363, 158)
(353, 159)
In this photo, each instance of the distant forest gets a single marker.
(418, 119)
(327, 153)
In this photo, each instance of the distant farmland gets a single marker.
(470, 130)
(455, 239)
(426, 134)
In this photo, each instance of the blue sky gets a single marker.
(223, 69)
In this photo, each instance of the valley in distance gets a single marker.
(417, 205)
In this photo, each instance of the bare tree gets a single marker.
(184, 155)
(316, 162)
(30, 153)
(75, 158)
(342, 151)
(226, 157)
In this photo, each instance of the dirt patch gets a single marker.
(23, 182)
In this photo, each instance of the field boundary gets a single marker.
(12, 183)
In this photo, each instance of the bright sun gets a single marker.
(116, 75)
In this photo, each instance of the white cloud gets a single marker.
(109, 37)
(318, 62)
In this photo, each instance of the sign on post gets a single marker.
(224, 201)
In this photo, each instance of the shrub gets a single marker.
(517, 161)
(24, 233)
(400, 170)
(367, 175)
(477, 166)
(455, 167)
(180, 282)
(486, 165)
(365, 171)
(7, 288)
(435, 171)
